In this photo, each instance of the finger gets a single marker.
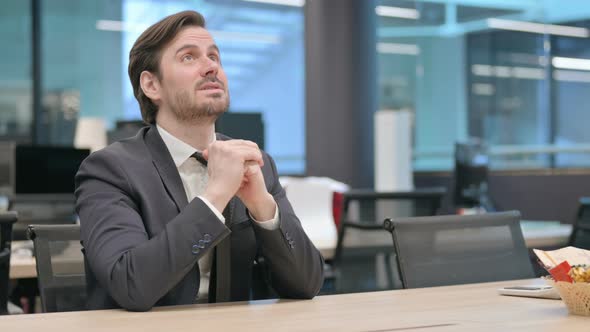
(250, 169)
(248, 151)
(239, 143)
(250, 154)
(244, 182)
(242, 142)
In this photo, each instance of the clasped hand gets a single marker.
(234, 169)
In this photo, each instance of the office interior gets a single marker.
(472, 106)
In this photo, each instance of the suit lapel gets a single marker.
(166, 168)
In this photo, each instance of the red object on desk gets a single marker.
(560, 272)
(337, 202)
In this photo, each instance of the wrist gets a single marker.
(263, 209)
(216, 197)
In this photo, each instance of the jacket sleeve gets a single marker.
(135, 269)
(296, 266)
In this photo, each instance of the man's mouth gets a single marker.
(210, 86)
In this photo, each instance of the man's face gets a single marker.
(193, 85)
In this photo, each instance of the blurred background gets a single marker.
(466, 106)
(512, 73)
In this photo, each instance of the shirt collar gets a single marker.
(179, 150)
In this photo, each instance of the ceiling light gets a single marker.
(552, 29)
(571, 63)
(292, 3)
(399, 12)
(395, 48)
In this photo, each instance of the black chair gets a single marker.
(7, 219)
(581, 233)
(364, 259)
(450, 250)
(60, 267)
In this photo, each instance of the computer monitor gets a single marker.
(46, 169)
(471, 175)
(248, 126)
(124, 129)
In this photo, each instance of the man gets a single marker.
(151, 206)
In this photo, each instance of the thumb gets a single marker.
(251, 168)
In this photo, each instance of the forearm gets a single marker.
(296, 266)
(138, 271)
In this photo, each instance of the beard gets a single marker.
(187, 108)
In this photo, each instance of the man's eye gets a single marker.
(214, 57)
(187, 57)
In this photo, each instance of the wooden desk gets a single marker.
(25, 266)
(475, 307)
(543, 234)
(22, 264)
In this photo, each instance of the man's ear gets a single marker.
(150, 84)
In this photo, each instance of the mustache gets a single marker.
(209, 80)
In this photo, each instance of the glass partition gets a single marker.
(16, 114)
(85, 57)
(512, 73)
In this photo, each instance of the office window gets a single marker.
(508, 94)
(489, 70)
(81, 66)
(15, 71)
(570, 90)
(421, 67)
(86, 51)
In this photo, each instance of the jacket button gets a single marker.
(207, 238)
(195, 249)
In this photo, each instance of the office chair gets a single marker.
(7, 219)
(581, 233)
(60, 267)
(450, 250)
(364, 259)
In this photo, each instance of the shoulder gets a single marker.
(121, 154)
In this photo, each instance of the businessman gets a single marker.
(163, 213)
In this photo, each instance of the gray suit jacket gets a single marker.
(141, 237)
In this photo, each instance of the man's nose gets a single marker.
(210, 68)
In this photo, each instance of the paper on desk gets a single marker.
(573, 255)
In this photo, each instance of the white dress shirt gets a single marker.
(194, 178)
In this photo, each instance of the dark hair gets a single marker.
(147, 52)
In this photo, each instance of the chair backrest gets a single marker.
(372, 205)
(60, 267)
(449, 250)
(580, 237)
(7, 219)
(364, 259)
